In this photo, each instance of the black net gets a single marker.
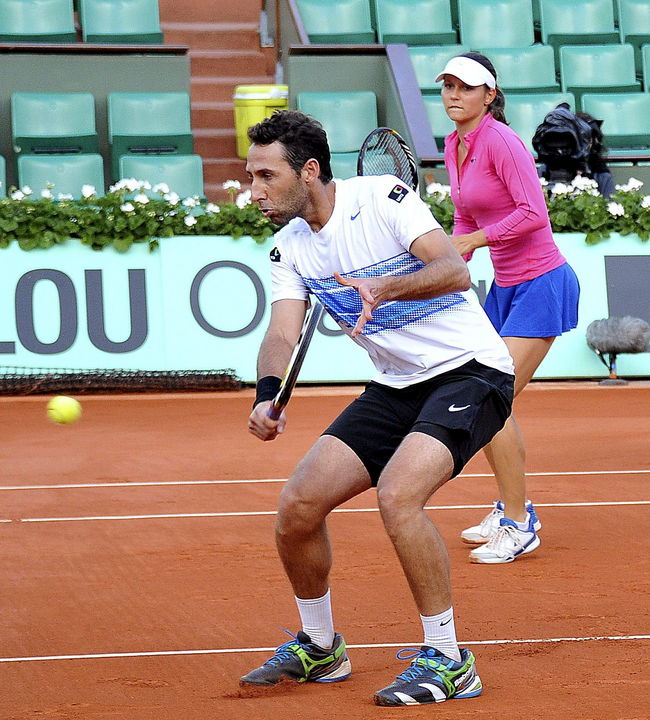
(34, 381)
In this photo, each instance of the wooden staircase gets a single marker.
(225, 51)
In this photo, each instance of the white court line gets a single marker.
(224, 651)
(280, 480)
(255, 513)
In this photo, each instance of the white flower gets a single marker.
(543, 181)
(17, 195)
(616, 209)
(189, 220)
(141, 198)
(212, 208)
(235, 184)
(438, 189)
(26, 190)
(172, 198)
(561, 189)
(64, 196)
(127, 207)
(582, 183)
(631, 185)
(88, 191)
(191, 202)
(130, 184)
(47, 194)
(243, 199)
(161, 188)
(645, 203)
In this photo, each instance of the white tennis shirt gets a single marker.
(374, 221)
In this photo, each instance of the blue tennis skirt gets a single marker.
(545, 306)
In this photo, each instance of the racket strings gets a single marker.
(385, 154)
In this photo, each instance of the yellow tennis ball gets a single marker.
(63, 409)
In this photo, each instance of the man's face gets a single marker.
(280, 193)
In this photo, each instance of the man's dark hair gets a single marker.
(301, 136)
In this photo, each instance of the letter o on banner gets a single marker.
(260, 296)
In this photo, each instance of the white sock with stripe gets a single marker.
(316, 617)
(440, 633)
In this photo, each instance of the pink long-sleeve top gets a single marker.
(498, 190)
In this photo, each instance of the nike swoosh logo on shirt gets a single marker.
(453, 408)
(354, 217)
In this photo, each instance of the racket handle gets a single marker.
(274, 412)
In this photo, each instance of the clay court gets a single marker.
(140, 578)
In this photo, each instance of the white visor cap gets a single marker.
(469, 71)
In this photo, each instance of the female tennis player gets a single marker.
(499, 202)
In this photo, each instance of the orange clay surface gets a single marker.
(139, 577)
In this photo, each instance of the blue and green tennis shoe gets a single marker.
(302, 661)
(431, 677)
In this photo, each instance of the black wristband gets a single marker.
(266, 388)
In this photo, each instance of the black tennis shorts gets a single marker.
(463, 408)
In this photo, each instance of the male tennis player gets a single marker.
(371, 252)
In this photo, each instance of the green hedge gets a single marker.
(574, 208)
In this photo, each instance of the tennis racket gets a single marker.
(384, 152)
(295, 363)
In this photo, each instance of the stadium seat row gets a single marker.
(348, 117)
(101, 21)
(147, 132)
(508, 23)
(582, 68)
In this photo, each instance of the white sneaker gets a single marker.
(481, 533)
(507, 543)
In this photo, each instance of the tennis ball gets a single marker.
(63, 409)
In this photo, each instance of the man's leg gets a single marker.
(329, 475)
(439, 669)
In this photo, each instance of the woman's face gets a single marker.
(465, 104)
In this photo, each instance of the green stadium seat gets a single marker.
(507, 23)
(37, 21)
(429, 60)
(577, 22)
(347, 117)
(440, 123)
(132, 22)
(645, 66)
(344, 165)
(337, 21)
(3, 177)
(414, 22)
(66, 173)
(625, 116)
(634, 21)
(525, 112)
(53, 123)
(183, 174)
(157, 123)
(528, 69)
(597, 68)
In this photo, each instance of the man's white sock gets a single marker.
(440, 633)
(316, 617)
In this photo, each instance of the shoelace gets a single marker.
(503, 535)
(489, 518)
(284, 652)
(416, 669)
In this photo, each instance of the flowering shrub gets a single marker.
(134, 212)
(575, 207)
(131, 212)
